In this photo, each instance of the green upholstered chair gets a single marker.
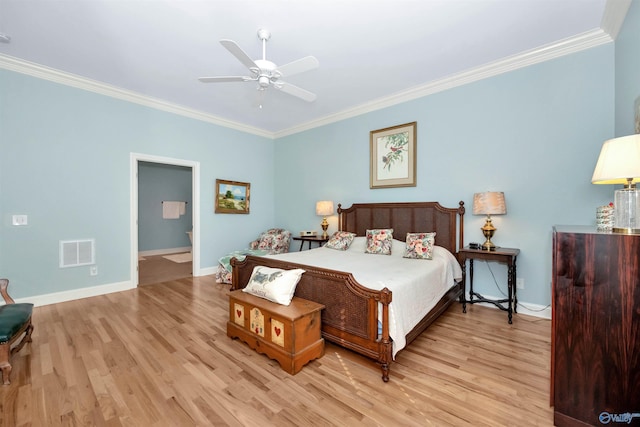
(15, 323)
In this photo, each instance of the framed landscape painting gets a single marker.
(393, 156)
(232, 197)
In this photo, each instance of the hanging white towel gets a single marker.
(170, 210)
(183, 208)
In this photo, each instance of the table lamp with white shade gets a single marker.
(619, 163)
(324, 208)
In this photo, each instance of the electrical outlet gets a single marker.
(93, 270)
(19, 220)
(520, 283)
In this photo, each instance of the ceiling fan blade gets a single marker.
(222, 79)
(296, 91)
(299, 66)
(236, 51)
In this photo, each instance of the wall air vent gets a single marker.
(74, 253)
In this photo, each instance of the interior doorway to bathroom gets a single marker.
(164, 240)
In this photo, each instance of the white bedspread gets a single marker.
(417, 285)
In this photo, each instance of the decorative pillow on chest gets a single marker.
(341, 240)
(419, 245)
(274, 284)
(379, 241)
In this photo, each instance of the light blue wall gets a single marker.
(157, 183)
(534, 133)
(65, 162)
(627, 71)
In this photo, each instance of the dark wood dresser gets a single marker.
(595, 338)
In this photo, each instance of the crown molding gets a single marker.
(614, 17)
(36, 70)
(545, 53)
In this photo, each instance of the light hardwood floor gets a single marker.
(159, 356)
(155, 269)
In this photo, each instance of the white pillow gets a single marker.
(398, 247)
(358, 245)
(274, 284)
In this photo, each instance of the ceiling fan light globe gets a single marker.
(263, 81)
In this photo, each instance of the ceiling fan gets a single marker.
(265, 72)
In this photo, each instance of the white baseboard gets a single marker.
(206, 271)
(530, 309)
(165, 251)
(75, 294)
(92, 291)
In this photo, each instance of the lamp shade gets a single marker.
(619, 161)
(489, 203)
(324, 208)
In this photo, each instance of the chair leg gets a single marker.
(25, 339)
(29, 331)
(5, 352)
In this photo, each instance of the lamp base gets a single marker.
(325, 225)
(488, 246)
(619, 230)
(487, 231)
(627, 210)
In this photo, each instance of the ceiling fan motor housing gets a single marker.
(267, 73)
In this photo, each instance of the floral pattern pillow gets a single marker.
(379, 241)
(341, 240)
(419, 245)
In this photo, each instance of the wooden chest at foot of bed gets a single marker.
(289, 334)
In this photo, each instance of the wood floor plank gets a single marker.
(158, 355)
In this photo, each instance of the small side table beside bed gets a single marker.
(504, 255)
(317, 239)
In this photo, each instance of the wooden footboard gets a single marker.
(350, 317)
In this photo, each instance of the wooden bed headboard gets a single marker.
(407, 217)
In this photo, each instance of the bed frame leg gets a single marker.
(386, 349)
(385, 372)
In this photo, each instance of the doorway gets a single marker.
(158, 265)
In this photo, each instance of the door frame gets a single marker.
(135, 158)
